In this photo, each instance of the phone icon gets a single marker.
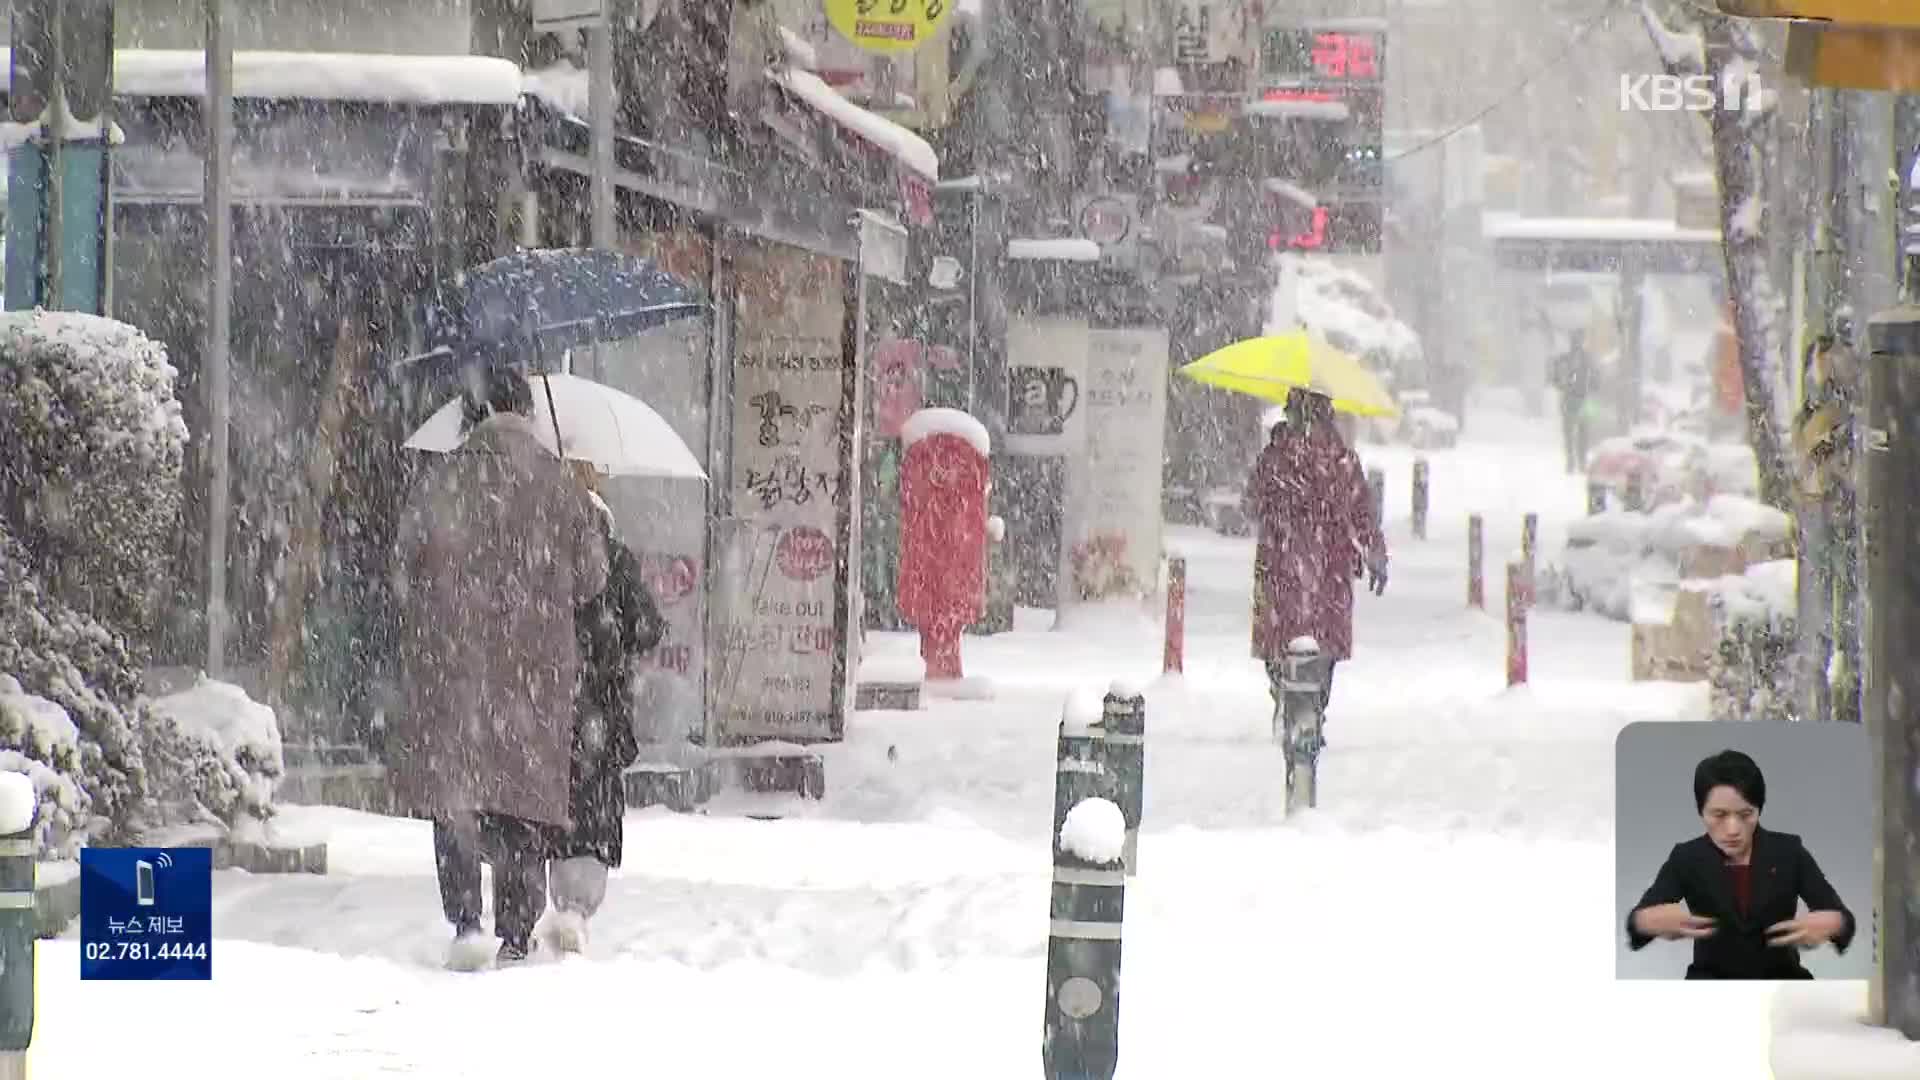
(143, 883)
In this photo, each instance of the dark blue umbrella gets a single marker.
(518, 310)
(546, 300)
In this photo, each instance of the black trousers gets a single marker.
(1573, 433)
(516, 849)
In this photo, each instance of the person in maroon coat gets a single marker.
(1308, 498)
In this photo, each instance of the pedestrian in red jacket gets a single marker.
(1309, 500)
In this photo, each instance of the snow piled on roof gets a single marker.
(1298, 109)
(1060, 249)
(1509, 227)
(930, 422)
(405, 80)
(560, 86)
(1341, 306)
(910, 149)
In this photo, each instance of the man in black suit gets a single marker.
(1734, 891)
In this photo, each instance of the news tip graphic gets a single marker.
(146, 913)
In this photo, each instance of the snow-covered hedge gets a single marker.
(1750, 671)
(1611, 557)
(90, 502)
(94, 443)
(213, 754)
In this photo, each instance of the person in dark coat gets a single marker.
(1573, 378)
(614, 629)
(496, 548)
(1309, 500)
(1734, 891)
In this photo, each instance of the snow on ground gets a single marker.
(1820, 1031)
(1450, 906)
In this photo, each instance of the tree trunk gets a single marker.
(1721, 47)
(1738, 139)
(305, 540)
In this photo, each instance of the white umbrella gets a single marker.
(617, 432)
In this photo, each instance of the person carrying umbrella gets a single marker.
(497, 549)
(1307, 495)
(614, 629)
(1317, 531)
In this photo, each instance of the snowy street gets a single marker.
(1450, 906)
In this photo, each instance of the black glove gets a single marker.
(1377, 577)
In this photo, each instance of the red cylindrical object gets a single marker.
(1176, 616)
(1516, 624)
(1476, 563)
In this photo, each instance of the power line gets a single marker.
(1578, 36)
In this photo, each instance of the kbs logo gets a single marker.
(1691, 93)
(804, 553)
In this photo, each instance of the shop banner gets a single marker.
(1112, 537)
(1046, 370)
(784, 645)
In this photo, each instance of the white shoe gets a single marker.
(471, 952)
(568, 932)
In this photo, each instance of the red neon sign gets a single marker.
(1340, 56)
(1299, 95)
(1312, 240)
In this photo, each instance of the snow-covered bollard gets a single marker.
(1420, 498)
(1176, 628)
(1519, 585)
(18, 805)
(1377, 487)
(1126, 758)
(1476, 562)
(1530, 552)
(1081, 1035)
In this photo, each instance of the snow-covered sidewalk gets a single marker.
(1449, 907)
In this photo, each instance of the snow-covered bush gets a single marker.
(73, 661)
(93, 442)
(1750, 671)
(49, 756)
(213, 754)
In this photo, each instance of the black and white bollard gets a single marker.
(1081, 1035)
(1377, 487)
(1126, 757)
(1420, 498)
(18, 923)
(1301, 687)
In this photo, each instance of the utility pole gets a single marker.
(600, 102)
(219, 207)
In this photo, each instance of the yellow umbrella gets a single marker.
(1269, 367)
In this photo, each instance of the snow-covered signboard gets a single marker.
(1208, 31)
(784, 644)
(1111, 549)
(1046, 365)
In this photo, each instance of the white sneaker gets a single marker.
(568, 932)
(472, 951)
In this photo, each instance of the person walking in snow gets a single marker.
(497, 548)
(1573, 378)
(1309, 501)
(614, 629)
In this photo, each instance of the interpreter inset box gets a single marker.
(145, 913)
(1743, 851)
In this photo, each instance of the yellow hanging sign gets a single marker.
(888, 26)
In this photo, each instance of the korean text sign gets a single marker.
(146, 913)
